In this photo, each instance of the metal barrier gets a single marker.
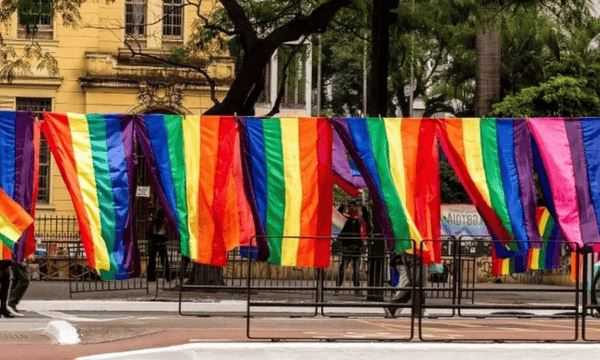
(54, 234)
(233, 280)
(487, 306)
(84, 280)
(590, 311)
(320, 287)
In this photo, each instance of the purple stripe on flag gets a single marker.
(23, 172)
(524, 163)
(587, 217)
(131, 257)
(341, 163)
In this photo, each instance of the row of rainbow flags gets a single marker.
(267, 183)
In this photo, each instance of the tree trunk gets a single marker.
(488, 70)
(380, 54)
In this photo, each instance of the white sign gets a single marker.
(143, 191)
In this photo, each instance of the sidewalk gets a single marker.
(315, 351)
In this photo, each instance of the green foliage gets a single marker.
(561, 95)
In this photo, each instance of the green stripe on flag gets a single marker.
(174, 126)
(275, 186)
(97, 132)
(6, 241)
(493, 175)
(398, 218)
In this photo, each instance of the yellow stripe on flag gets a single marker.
(393, 130)
(290, 141)
(191, 143)
(82, 149)
(474, 155)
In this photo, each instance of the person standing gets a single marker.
(158, 246)
(4, 288)
(18, 286)
(351, 243)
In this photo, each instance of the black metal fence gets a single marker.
(462, 289)
(560, 306)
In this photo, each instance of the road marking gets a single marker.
(74, 318)
(63, 332)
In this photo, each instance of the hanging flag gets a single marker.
(237, 194)
(493, 160)
(346, 176)
(190, 158)
(94, 154)
(568, 150)
(19, 162)
(289, 173)
(14, 220)
(547, 256)
(398, 160)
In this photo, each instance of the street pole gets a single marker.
(319, 77)
(365, 75)
(411, 98)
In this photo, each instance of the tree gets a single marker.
(257, 28)
(559, 96)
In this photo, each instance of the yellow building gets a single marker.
(96, 72)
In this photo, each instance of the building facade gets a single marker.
(97, 72)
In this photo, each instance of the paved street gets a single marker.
(134, 319)
(105, 331)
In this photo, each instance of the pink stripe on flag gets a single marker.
(551, 137)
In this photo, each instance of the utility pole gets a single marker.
(381, 18)
(319, 77)
(365, 75)
(412, 85)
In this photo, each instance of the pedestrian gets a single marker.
(351, 243)
(18, 286)
(4, 287)
(158, 246)
(407, 279)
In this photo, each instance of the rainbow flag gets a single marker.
(492, 158)
(190, 158)
(398, 159)
(547, 256)
(568, 149)
(289, 175)
(95, 155)
(544, 256)
(19, 146)
(14, 221)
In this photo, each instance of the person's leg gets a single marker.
(151, 271)
(4, 286)
(19, 285)
(356, 270)
(164, 260)
(342, 270)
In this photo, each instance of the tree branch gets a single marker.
(317, 21)
(241, 22)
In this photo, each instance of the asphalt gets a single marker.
(139, 319)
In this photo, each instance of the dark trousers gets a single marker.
(4, 283)
(158, 248)
(20, 283)
(376, 264)
(355, 261)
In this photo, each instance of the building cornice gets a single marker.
(50, 82)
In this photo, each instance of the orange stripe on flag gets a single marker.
(310, 200)
(209, 146)
(18, 218)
